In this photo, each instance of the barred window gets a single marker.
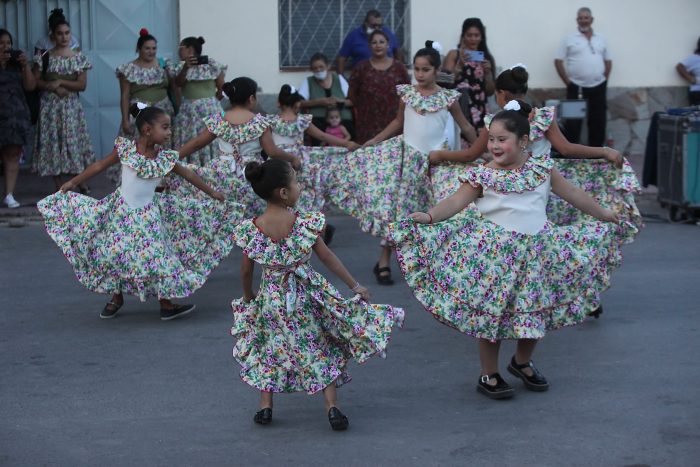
(310, 26)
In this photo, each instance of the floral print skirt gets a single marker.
(317, 165)
(223, 174)
(380, 184)
(165, 249)
(299, 333)
(613, 188)
(493, 283)
(189, 122)
(62, 144)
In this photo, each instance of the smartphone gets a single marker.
(475, 56)
(203, 60)
(14, 54)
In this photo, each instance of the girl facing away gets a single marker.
(298, 333)
(502, 270)
(135, 240)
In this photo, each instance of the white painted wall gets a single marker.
(647, 37)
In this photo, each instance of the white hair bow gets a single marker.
(521, 65)
(141, 105)
(224, 94)
(437, 46)
(512, 105)
(292, 89)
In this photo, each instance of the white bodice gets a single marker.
(522, 212)
(137, 191)
(424, 132)
(281, 140)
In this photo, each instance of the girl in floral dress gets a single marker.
(144, 79)
(63, 144)
(298, 333)
(242, 136)
(288, 129)
(601, 172)
(200, 79)
(135, 240)
(387, 180)
(502, 271)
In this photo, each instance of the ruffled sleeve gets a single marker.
(145, 167)
(237, 134)
(142, 76)
(442, 99)
(244, 234)
(540, 123)
(532, 174)
(304, 121)
(309, 227)
(81, 63)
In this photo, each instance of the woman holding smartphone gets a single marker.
(473, 66)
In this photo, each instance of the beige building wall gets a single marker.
(647, 37)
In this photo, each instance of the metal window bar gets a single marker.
(309, 26)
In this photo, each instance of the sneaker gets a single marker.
(11, 202)
(175, 312)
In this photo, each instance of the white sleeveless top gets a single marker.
(137, 191)
(425, 117)
(522, 212)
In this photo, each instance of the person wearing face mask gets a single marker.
(583, 63)
(356, 44)
(322, 90)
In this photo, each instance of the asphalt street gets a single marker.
(76, 390)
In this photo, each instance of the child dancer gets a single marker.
(242, 135)
(381, 183)
(299, 332)
(610, 179)
(288, 129)
(135, 240)
(502, 271)
(335, 128)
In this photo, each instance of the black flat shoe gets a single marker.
(110, 310)
(501, 390)
(338, 421)
(328, 234)
(597, 312)
(264, 416)
(536, 382)
(383, 279)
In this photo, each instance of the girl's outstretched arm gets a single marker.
(197, 181)
(448, 207)
(247, 267)
(269, 146)
(467, 129)
(580, 199)
(204, 138)
(316, 133)
(91, 170)
(331, 261)
(476, 150)
(394, 126)
(568, 149)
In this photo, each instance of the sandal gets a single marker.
(108, 312)
(536, 382)
(263, 416)
(338, 421)
(597, 312)
(501, 390)
(383, 279)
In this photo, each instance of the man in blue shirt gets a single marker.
(356, 43)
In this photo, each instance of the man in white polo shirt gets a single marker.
(583, 63)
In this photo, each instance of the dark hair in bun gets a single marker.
(287, 98)
(145, 116)
(515, 121)
(431, 54)
(144, 36)
(268, 176)
(513, 80)
(195, 42)
(240, 89)
(57, 18)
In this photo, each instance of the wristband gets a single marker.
(431, 218)
(355, 287)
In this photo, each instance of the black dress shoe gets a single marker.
(501, 390)
(338, 421)
(264, 416)
(597, 312)
(536, 382)
(383, 279)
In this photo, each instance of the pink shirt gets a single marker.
(335, 131)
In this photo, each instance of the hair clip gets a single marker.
(512, 105)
